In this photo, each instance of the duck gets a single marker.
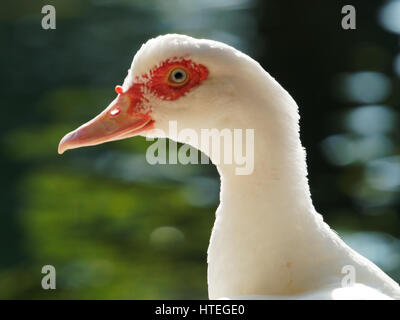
(268, 241)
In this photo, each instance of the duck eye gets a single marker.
(178, 77)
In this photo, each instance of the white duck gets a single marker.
(268, 242)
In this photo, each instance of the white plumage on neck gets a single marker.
(268, 239)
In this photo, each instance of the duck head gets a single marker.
(172, 77)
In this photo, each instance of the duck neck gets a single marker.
(267, 232)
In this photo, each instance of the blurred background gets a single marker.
(116, 227)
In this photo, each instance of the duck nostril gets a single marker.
(115, 111)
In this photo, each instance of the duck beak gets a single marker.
(118, 121)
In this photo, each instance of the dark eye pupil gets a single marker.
(178, 75)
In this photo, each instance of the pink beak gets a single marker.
(118, 121)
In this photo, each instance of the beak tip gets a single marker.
(63, 145)
(61, 148)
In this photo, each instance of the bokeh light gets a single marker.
(364, 87)
(389, 16)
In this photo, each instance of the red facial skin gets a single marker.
(129, 114)
(156, 82)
